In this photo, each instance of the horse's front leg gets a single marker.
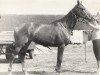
(59, 58)
(98, 65)
(11, 60)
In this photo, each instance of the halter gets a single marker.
(75, 17)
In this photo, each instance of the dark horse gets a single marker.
(56, 34)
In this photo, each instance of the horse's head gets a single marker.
(81, 12)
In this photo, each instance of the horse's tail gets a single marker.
(16, 29)
(15, 32)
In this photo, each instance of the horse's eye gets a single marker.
(82, 9)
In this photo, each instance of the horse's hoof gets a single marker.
(59, 74)
(58, 70)
(26, 73)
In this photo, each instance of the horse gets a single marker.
(55, 34)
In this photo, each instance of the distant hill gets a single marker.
(8, 22)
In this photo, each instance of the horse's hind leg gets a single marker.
(22, 58)
(22, 54)
(59, 58)
(11, 63)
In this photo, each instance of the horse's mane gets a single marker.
(69, 20)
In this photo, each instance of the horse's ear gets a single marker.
(78, 2)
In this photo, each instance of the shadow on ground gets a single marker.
(6, 61)
(50, 73)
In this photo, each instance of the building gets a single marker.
(8, 22)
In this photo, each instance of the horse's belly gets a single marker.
(44, 43)
(44, 39)
(48, 40)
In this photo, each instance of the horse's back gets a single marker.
(21, 33)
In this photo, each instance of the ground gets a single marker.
(74, 62)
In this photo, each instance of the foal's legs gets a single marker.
(59, 58)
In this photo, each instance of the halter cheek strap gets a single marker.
(74, 18)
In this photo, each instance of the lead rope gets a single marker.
(85, 53)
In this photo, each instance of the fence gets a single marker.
(79, 36)
(6, 37)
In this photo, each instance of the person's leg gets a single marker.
(96, 49)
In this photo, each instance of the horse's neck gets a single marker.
(69, 21)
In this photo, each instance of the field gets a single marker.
(74, 62)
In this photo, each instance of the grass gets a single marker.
(73, 62)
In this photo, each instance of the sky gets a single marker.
(49, 7)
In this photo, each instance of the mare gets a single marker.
(55, 34)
